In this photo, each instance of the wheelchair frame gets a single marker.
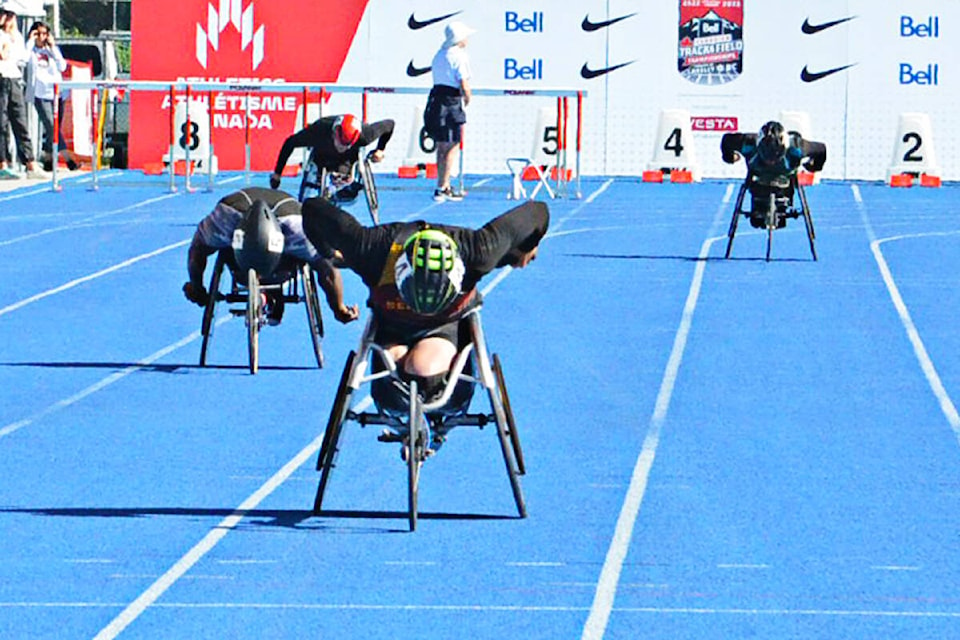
(362, 171)
(423, 421)
(300, 285)
(777, 212)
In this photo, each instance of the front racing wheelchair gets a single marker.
(771, 205)
(341, 188)
(421, 424)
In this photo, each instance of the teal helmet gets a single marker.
(429, 272)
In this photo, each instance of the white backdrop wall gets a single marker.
(887, 48)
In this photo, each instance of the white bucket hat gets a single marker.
(456, 33)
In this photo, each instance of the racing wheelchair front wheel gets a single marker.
(415, 446)
(508, 411)
(254, 317)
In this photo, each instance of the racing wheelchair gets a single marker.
(421, 424)
(770, 207)
(320, 182)
(292, 282)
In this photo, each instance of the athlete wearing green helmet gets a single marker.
(422, 277)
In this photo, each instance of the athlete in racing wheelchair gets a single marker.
(424, 344)
(334, 169)
(773, 158)
(258, 235)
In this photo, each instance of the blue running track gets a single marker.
(715, 448)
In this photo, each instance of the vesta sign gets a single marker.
(241, 42)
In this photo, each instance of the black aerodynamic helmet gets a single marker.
(429, 272)
(258, 240)
(772, 142)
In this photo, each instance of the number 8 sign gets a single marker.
(196, 136)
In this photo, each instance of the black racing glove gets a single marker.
(274, 181)
(196, 293)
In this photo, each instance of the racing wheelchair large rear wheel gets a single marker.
(370, 190)
(209, 310)
(338, 414)
(314, 317)
(508, 410)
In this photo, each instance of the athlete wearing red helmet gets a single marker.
(335, 142)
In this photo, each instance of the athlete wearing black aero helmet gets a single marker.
(773, 142)
(429, 273)
(258, 241)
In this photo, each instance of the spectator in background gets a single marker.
(46, 69)
(13, 55)
(444, 114)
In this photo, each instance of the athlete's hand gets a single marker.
(274, 181)
(196, 293)
(346, 314)
(731, 158)
(376, 155)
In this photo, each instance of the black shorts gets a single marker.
(444, 114)
(388, 335)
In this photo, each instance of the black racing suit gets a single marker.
(776, 178)
(319, 137)
(372, 253)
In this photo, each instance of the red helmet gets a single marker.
(346, 130)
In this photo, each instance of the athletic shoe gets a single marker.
(9, 174)
(443, 195)
(38, 174)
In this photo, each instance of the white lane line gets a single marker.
(743, 566)
(93, 276)
(606, 591)
(86, 221)
(104, 383)
(149, 597)
(894, 567)
(279, 606)
(919, 349)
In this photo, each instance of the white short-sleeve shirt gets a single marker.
(450, 66)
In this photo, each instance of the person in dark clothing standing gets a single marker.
(13, 106)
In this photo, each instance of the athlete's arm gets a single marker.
(507, 238)
(730, 146)
(816, 152)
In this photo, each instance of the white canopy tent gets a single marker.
(27, 8)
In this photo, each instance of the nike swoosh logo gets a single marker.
(587, 25)
(811, 29)
(587, 73)
(413, 71)
(415, 24)
(813, 76)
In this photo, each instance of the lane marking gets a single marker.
(947, 407)
(92, 276)
(623, 533)
(149, 597)
(275, 606)
(103, 383)
(86, 221)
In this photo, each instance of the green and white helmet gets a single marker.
(429, 273)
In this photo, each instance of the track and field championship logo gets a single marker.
(231, 13)
(710, 41)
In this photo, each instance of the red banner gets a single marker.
(241, 42)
